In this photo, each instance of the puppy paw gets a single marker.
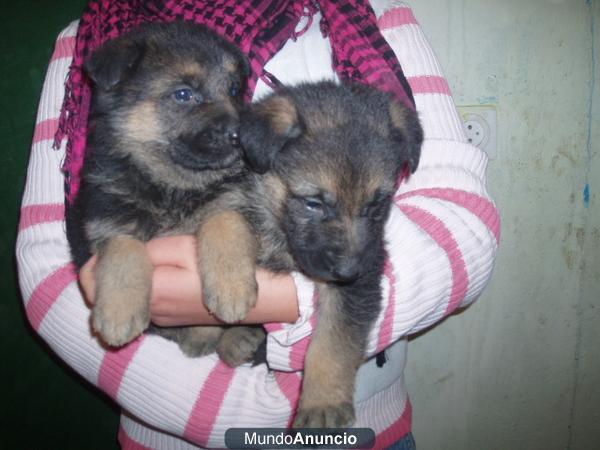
(198, 349)
(199, 341)
(227, 262)
(326, 416)
(238, 344)
(123, 286)
(230, 299)
(120, 322)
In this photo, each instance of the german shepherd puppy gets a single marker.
(163, 152)
(330, 158)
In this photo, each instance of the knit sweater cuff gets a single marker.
(281, 337)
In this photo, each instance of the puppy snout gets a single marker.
(341, 267)
(228, 128)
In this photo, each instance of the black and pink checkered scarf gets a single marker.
(259, 28)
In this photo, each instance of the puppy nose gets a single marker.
(346, 273)
(234, 137)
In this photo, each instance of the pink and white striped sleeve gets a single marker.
(196, 399)
(443, 232)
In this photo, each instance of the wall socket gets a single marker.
(480, 125)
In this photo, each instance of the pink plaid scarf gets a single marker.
(259, 28)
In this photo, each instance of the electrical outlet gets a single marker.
(479, 123)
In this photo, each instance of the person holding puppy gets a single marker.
(441, 239)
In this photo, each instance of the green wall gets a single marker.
(520, 369)
(43, 405)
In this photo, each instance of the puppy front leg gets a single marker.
(227, 263)
(334, 355)
(123, 287)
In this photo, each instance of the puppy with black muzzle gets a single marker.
(331, 157)
(163, 155)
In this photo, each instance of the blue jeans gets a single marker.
(406, 443)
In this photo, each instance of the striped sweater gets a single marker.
(442, 237)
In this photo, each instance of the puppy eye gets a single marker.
(234, 90)
(183, 95)
(377, 207)
(313, 205)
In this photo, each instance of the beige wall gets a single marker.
(520, 369)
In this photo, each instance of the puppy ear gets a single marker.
(109, 64)
(406, 130)
(266, 128)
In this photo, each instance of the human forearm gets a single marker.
(177, 292)
(177, 299)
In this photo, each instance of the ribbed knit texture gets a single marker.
(441, 237)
